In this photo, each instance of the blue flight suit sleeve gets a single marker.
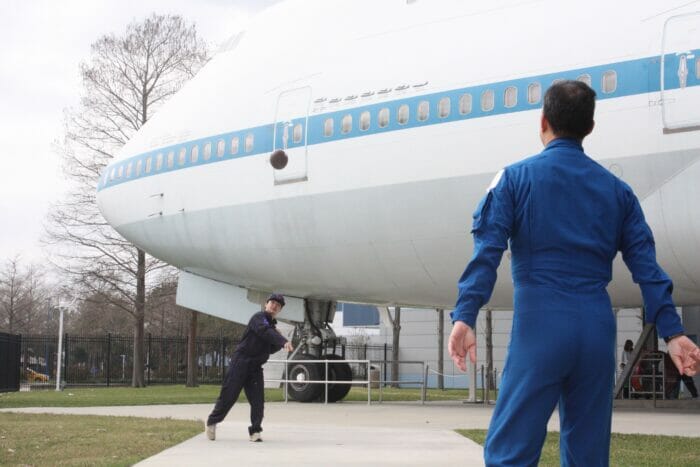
(491, 228)
(639, 253)
(261, 325)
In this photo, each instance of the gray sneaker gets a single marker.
(255, 437)
(210, 431)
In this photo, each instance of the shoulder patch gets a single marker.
(496, 179)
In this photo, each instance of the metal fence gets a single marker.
(108, 360)
(10, 345)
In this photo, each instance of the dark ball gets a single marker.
(279, 159)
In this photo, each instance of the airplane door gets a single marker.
(291, 119)
(680, 73)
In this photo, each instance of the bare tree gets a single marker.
(396, 333)
(125, 81)
(22, 298)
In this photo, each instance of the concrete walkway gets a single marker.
(351, 433)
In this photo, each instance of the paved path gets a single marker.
(352, 433)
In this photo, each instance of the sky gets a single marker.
(42, 44)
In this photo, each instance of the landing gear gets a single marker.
(317, 340)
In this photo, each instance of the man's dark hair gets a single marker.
(568, 107)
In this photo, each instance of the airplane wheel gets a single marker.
(300, 372)
(337, 372)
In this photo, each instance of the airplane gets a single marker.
(334, 151)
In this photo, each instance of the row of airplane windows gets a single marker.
(444, 105)
(156, 163)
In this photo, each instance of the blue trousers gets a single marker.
(243, 374)
(562, 351)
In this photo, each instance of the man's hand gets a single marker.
(462, 340)
(288, 347)
(685, 354)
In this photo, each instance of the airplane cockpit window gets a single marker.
(444, 107)
(328, 127)
(423, 111)
(346, 124)
(171, 159)
(402, 115)
(585, 78)
(364, 121)
(487, 100)
(159, 161)
(465, 104)
(534, 93)
(609, 81)
(128, 169)
(383, 118)
(181, 156)
(207, 152)
(297, 133)
(194, 154)
(249, 140)
(139, 164)
(148, 165)
(234, 145)
(220, 148)
(510, 97)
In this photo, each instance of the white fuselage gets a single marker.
(382, 214)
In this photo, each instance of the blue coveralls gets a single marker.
(259, 340)
(566, 218)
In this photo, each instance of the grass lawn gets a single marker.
(38, 439)
(625, 450)
(176, 394)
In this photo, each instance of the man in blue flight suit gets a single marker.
(566, 218)
(260, 339)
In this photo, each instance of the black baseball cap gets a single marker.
(276, 297)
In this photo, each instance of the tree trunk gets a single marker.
(396, 325)
(192, 351)
(137, 380)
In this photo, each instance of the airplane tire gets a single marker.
(300, 372)
(337, 372)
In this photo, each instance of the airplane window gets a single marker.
(465, 104)
(609, 81)
(297, 133)
(148, 165)
(207, 152)
(220, 148)
(328, 127)
(181, 156)
(194, 154)
(159, 161)
(487, 100)
(510, 97)
(383, 117)
(111, 175)
(423, 111)
(558, 80)
(444, 107)
(585, 78)
(234, 145)
(249, 140)
(139, 163)
(697, 68)
(171, 159)
(534, 93)
(346, 124)
(128, 169)
(402, 114)
(120, 171)
(364, 121)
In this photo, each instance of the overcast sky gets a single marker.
(42, 43)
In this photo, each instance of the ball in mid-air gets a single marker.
(279, 159)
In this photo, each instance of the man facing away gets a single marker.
(260, 339)
(566, 217)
